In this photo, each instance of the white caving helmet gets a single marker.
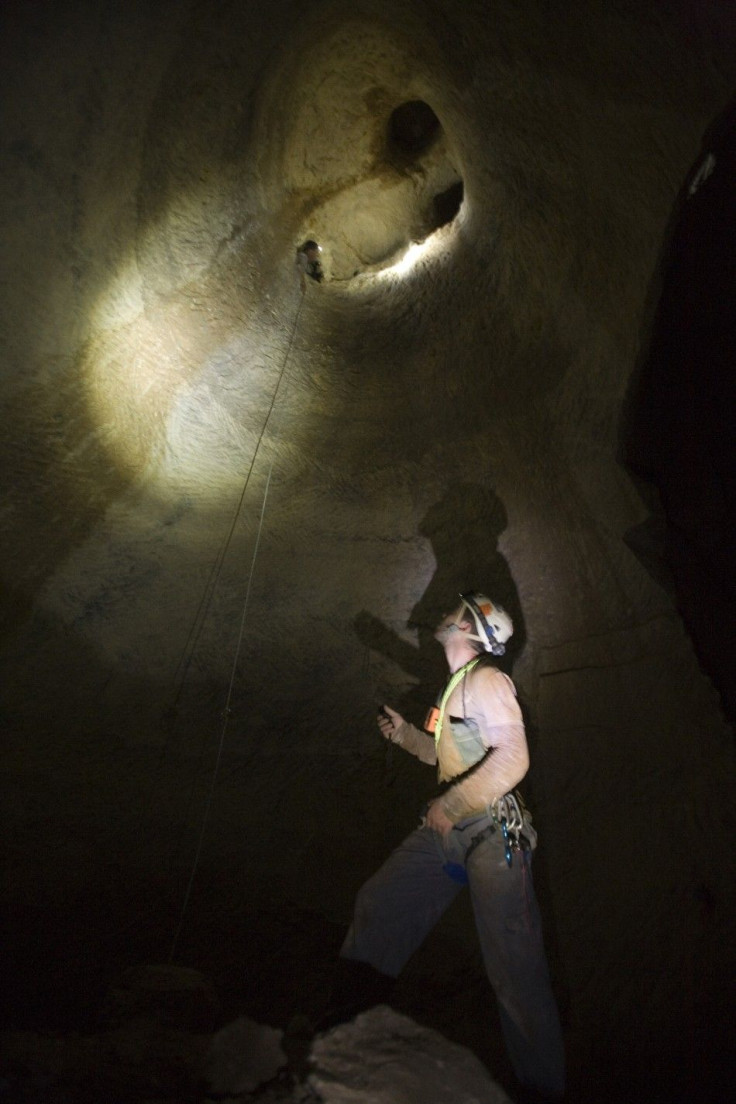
(493, 624)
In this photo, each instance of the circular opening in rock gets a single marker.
(413, 127)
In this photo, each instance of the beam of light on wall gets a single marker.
(416, 252)
(135, 367)
(177, 393)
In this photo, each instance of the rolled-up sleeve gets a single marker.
(418, 743)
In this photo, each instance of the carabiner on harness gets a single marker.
(506, 841)
(507, 812)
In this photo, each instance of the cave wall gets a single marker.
(416, 432)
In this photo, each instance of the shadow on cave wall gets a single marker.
(677, 424)
(463, 528)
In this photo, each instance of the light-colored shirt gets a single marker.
(485, 700)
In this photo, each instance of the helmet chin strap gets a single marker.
(491, 646)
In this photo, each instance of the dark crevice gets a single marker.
(447, 204)
(413, 128)
(677, 425)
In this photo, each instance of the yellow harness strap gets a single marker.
(456, 679)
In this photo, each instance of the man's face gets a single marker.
(449, 625)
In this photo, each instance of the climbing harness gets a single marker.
(510, 815)
(507, 813)
(436, 715)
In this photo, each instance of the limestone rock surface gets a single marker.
(232, 513)
(383, 1057)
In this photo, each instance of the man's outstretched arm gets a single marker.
(394, 728)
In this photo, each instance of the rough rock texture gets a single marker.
(242, 1056)
(383, 1057)
(231, 513)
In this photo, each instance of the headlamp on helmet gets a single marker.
(493, 624)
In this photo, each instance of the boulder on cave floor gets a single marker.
(383, 1057)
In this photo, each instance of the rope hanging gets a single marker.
(200, 618)
(223, 729)
(190, 647)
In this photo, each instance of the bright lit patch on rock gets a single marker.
(401, 181)
(409, 260)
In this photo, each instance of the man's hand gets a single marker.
(389, 722)
(437, 819)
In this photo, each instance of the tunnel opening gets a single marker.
(413, 129)
(447, 204)
(399, 180)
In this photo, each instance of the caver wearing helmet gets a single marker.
(493, 625)
(476, 625)
(308, 262)
(476, 831)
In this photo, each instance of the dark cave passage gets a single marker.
(413, 128)
(678, 430)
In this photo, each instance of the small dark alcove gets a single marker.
(413, 128)
(447, 204)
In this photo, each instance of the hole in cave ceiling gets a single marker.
(413, 189)
(413, 128)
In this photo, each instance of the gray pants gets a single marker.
(402, 902)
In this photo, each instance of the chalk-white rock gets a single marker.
(383, 1057)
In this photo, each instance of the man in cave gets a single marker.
(308, 262)
(476, 832)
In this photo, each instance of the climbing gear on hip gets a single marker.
(508, 812)
(484, 834)
(507, 815)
